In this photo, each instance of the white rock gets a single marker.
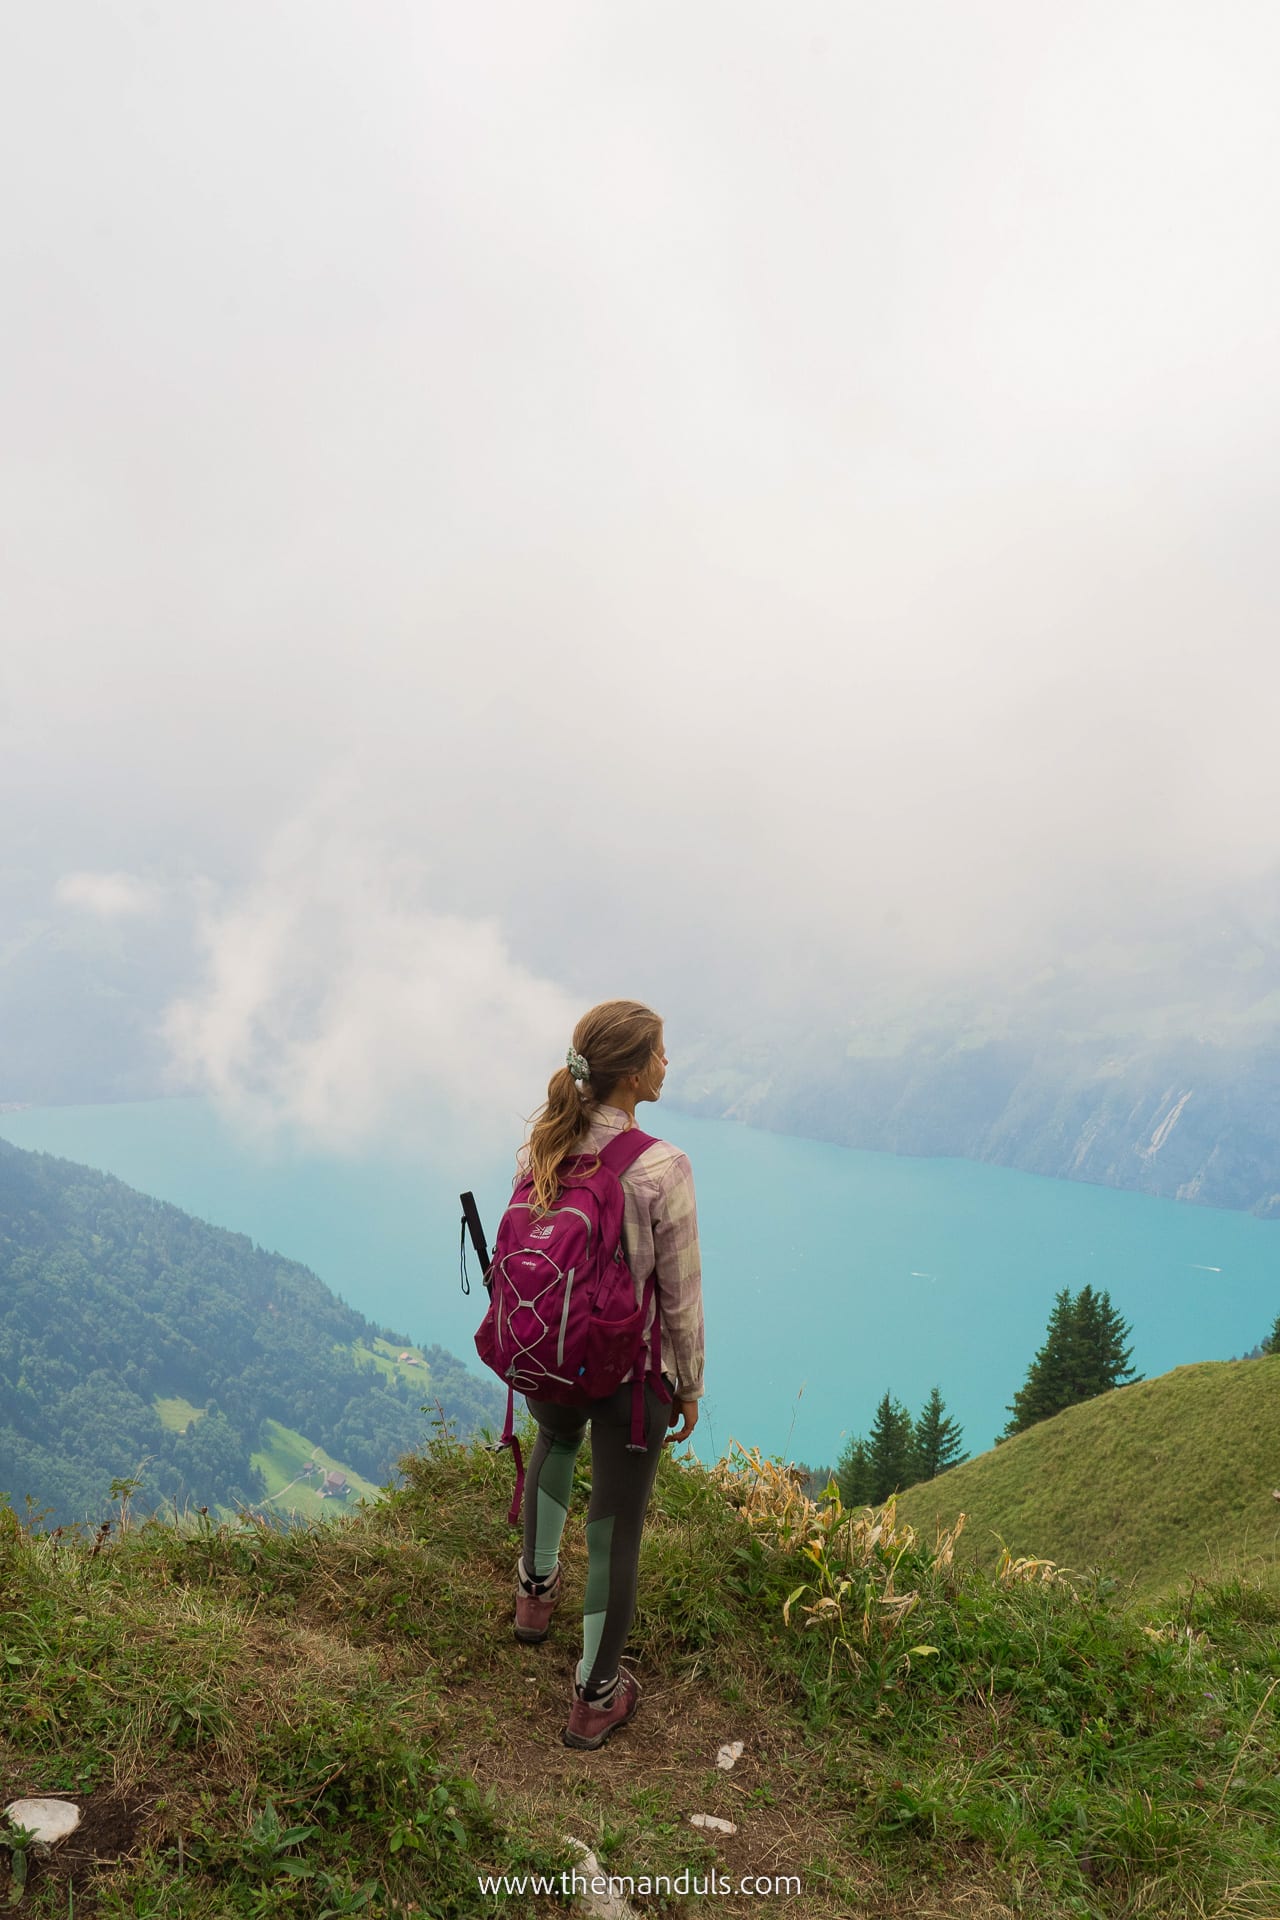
(728, 1754)
(605, 1905)
(712, 1822)
(45, 1820)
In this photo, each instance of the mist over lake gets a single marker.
(830, 1275)
(905, 401)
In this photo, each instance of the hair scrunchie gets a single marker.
(577, 1065)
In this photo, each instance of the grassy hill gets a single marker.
(1153, 1483)
(321, 1721)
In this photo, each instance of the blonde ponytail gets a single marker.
(556, 1131)
(616, 1038)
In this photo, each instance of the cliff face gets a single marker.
(1178, 1101)
(1190, 1123)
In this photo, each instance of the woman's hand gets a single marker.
(687, 1412)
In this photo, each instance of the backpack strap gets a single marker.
(622, 1152)
(509, 1440)
(625, 1149)
(652, 1371)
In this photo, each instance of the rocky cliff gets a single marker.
(1156, 1070)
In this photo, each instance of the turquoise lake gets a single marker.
(830, 1275)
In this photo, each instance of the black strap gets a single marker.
(471, 1225)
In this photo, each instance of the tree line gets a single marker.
(1084, 1353)
(899, 1451)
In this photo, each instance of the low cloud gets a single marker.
(112, 896)
(761, 513)
(336, 1005)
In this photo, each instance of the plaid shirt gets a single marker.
(659, 1235)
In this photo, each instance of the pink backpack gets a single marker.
(563, 1321)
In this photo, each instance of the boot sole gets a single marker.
(580, 1740)
(530, 1636)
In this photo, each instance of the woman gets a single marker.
(616, 1061)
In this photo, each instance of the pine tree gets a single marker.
(938, 1439)
(891, 1450)
(1272, 1342)
(853, 1475)
(1084, 1354)
(1102, 1358)
(812, 1481)
(1046, 1389)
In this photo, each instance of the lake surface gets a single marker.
(830, 1275)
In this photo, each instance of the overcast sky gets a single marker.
(503, 504)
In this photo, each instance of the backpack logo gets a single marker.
(543, 1232)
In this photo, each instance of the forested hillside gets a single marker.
(112, 1302)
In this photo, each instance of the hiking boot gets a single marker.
(591, 1722)
(536, 1601)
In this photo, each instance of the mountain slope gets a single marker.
(1155, 1482)
(131, 1332)
(323, 1721)
(1151, 1064)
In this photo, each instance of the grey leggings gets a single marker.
(621, 1483)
